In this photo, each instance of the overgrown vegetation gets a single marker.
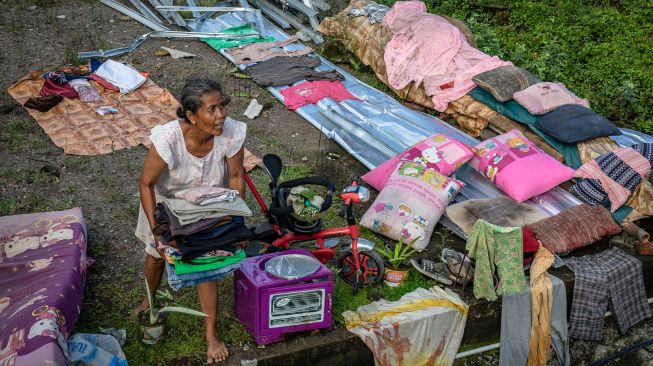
(601, 50)
(345, 299)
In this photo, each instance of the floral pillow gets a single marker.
(411, 203)
(517, 166)
(438, 152)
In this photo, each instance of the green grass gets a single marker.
(75, 161)
(8, 206)
(16, 136)
(344, 298)
(108, 305)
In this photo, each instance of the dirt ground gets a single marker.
(106, 186)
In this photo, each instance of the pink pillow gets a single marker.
(545, 97)
(438, 152)
(411, 203)
(517, 166)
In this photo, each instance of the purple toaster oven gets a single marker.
(271, 307)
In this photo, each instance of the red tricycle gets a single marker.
(359, 263)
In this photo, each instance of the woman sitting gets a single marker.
(202, 148)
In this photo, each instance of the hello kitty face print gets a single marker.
(411, 203)
(34, 239)
(438, 152)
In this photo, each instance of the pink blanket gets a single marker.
(425, 48)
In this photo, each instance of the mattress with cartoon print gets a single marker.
(42, 275)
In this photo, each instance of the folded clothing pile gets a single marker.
(187, 212)
(74, 83)
(122, 76)
(196, 230)
(206, 195)
(202, 231)
(178, 281)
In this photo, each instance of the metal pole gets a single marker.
(136, 16)
(159, 34)
(145, 10)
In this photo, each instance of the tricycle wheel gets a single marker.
(371, 265)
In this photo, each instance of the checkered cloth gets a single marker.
(610, 275)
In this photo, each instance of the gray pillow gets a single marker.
(573, 123)
(504, 81)
(501, 211)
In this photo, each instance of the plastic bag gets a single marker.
(292, 266)
(95, 350)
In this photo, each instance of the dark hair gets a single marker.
(193, 91)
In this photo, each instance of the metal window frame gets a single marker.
(134, 15)
(158, 34)
(145, 11)
(275, 13)
(257, 22)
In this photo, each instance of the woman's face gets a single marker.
(211, 115)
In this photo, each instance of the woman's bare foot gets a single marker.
(216, 351)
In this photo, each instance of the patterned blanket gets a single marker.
(42, 276)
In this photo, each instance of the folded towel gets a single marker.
(206, 195)
(188, 213)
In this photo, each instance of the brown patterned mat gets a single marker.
(78, 129)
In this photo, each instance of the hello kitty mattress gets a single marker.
(42, 275)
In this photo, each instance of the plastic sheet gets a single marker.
(424, 327)
(95, 350)
(292, 266)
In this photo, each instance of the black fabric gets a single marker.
(287, 70)
(191, 249)
(572, 123)
(222, 235)
(163, 214)
(43, 104)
